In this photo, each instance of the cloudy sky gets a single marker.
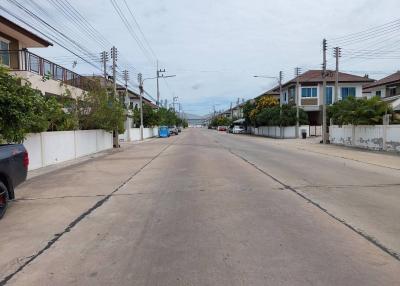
(215, 47)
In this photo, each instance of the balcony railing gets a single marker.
(23, 60)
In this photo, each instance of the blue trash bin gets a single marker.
(163, 131)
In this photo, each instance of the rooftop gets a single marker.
(25, 37)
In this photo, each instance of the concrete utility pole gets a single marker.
(280, 100)
(159, 74)
(297, 72)
(125, 75)
(337, 53)
(280, 78)
(114, 56)
(324, 123)
(140, 80)
(174, 99)
(104, 60)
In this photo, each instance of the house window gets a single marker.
(308, 92)
(4, 52)
(392, 91)
(285, 97)
(378, 93)
(348, 91)
(328, 95)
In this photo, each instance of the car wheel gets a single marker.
(3, 199)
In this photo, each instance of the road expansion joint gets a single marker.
(366, 236)
(77, 220)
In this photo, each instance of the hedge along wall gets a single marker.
(49, 148)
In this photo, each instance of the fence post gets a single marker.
(353, 135)
(385, 120)
(42, 149)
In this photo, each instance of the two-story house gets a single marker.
(44, 75)
(310, 87)
(387, 88)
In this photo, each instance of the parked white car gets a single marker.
(237, 129)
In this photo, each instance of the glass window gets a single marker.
(348, 91)
(308, 92)
(34, 63)
(392, 91)
(378, 93)
(328, 95)
(5, 55)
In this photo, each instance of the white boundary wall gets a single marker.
(133, 134)
(49, 148)
(275, 131)
(374, 137)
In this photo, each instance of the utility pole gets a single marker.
(231, 111)
(114, 56)
(140, 80)
(174, 99)
(104, 60)
(337, 52)
(324, 123)
(125, 75)
(280, 101)
(297, 72)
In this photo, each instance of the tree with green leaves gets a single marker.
(284, 115)
(359, 111)
(22, 108)
(100, 109)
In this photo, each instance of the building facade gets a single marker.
(44, 75)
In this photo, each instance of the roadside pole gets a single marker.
(324, 123)
(140, 80)
(104, 60)
(297, 72)
(280, 101)
(337, 54)
(114, 56)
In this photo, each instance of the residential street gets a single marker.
(207, 208)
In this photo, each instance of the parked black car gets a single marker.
(14, 163)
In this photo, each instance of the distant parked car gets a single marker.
(14, 163)
(221, 128)
(173, 130)
(238, 129)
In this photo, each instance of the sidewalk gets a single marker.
(55, 167)
(378, 158)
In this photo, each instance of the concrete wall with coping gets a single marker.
(275, 131)
(49, 148)
(373, 137)
(133, 134)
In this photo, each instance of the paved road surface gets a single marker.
(204, 208)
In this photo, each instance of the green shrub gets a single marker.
(359, 111)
